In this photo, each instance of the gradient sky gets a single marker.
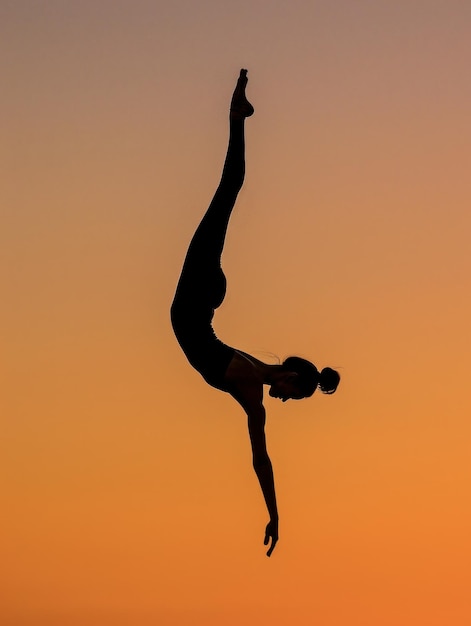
(127, 487)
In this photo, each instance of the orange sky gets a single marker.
(127, 487)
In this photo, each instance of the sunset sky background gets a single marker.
(128, 496)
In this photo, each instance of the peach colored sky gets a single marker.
(128, 492)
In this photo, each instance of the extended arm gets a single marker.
(247, 390)
(263, 468)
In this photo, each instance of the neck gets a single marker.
(271, 373)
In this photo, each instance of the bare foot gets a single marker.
(240, 106)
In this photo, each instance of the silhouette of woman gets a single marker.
(201, 290)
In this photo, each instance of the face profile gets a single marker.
(286, 388)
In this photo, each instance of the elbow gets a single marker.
(261, 461)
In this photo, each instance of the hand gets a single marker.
(271, 531)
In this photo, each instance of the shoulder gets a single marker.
(243, 369)
(245, 383)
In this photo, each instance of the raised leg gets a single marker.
(202, 278)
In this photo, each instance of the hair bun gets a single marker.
(329, 380)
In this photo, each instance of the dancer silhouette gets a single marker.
(201, 290)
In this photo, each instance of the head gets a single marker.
(299, 378)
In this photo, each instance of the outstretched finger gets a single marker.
(272, 547)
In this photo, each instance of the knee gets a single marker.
(231, 183)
